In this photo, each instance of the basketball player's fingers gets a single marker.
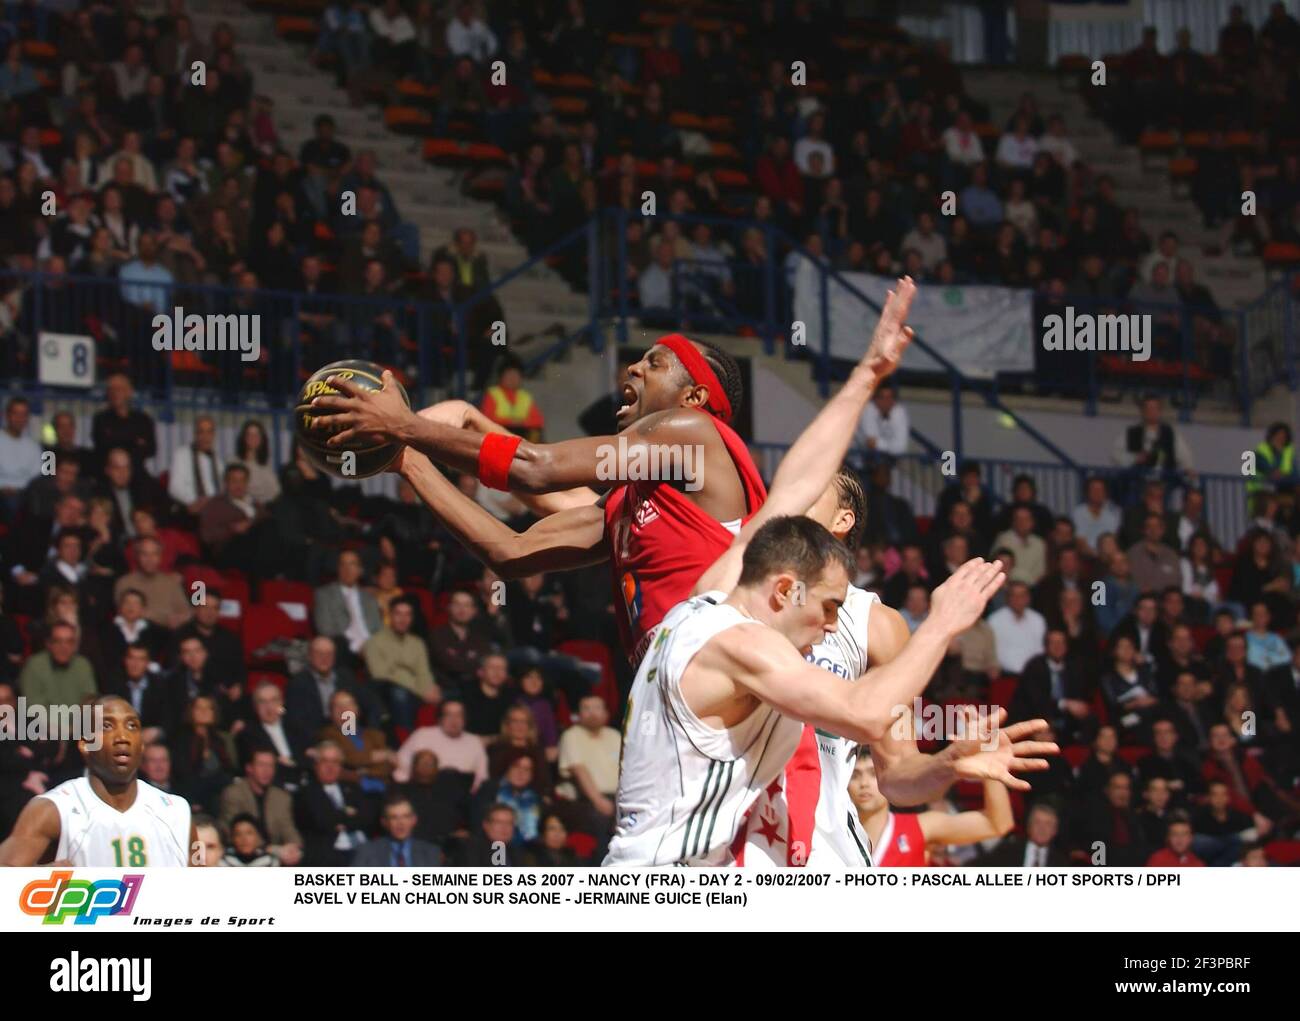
(341, 403)
(388, 380)
(1023, 749)
(339, 438)
(906, 292)
(346, 386)
(1023, 729)
(1027, 765)
(1014, 782)
(1000, 717)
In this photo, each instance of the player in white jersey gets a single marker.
(108, 818)
(722, 706)
(710, 774)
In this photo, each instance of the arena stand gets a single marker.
(171, 193)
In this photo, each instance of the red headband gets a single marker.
(700, 372)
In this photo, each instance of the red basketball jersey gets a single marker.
(902, 844)
(661, 542)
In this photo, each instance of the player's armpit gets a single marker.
(35, 831)
(564, 541)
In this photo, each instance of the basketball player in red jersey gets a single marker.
(900, 838)
(659, 534)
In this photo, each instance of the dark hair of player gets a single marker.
(727, 369)
(795, 544)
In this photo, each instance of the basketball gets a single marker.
(359, 458)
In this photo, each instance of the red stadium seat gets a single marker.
(1075, 754)
(598, 653)
(24, 624)
(426, 715)
(426, 604)
(275, 591)
(1133, 754)
(582, 843)
(235, 586)
(1002, 690)
(1283, 852)
(261, 625)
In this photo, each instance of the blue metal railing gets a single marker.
(917, 478)
(431, 341)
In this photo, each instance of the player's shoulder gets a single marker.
(165, 801)
(859, 601)
(676, 423)
(68, 792)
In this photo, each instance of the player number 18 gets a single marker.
(134, 852)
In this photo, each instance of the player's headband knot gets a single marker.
(700, 372)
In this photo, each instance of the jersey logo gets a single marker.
(903, 846)
(61, 897)
(646, 512)
(769, 826)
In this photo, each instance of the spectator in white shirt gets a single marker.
(394, 43)
(1095, 516)
(815, 141)
(469, 36)
(884, 426)
(1018, 630)
(961, 143)
(589, 756)
(196, 470)
(1166, 252)
(1056, 144)
(20, 456)
(1017, 148)
(927, 242)
(455, 748)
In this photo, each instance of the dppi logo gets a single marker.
(61, 897)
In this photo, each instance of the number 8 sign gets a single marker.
(66, 359)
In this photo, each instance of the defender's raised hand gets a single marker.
(959, 602)
(990, 751)
(892, 334)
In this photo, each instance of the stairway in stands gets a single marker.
(426, 195)
(1141, 180)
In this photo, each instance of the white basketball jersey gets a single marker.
(155, 830)
(814, 788)
(684, 787)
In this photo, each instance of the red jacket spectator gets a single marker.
(1251, 772)
(779, 178)
(1167, 859)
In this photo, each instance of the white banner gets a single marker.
(76, 901)
(981, 330)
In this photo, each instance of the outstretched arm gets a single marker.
(771, 669)
(572, 538)
(811, 463)
(33, 834)
(535, 467)
(995, 819)
(462, 415)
